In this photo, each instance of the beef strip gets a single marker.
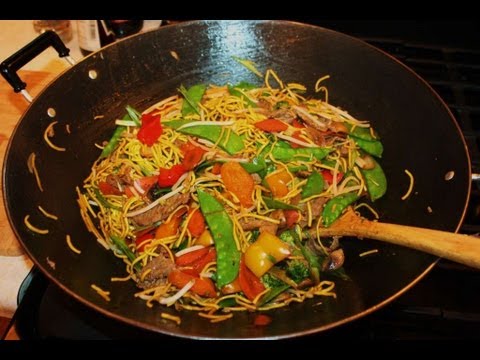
(158, 270)
(162, 210)
(263, 225)
(316, 206)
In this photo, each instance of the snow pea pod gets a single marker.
(221, 228)
(277, 204)
(374, 147)
(272, 294)
(112, 143)
(243, 85)
(314, 185)
(192, 97)
(335, 206)
(361, 132)
(283, 153)
(257, 164)
(232, 143)
(376, 181)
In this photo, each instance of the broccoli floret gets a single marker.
(289, 236)
(271, 281)
(297, 270)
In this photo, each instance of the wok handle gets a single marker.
(460, 248)
(15, 62)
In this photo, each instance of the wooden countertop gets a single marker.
(12, 106)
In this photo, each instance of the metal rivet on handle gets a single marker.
(449, 175)
(51, 112)
(92, 74)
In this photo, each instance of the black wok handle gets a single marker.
(15, 62)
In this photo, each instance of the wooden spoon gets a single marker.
(463, 249)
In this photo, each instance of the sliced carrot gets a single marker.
(239, 182)
(168, 228)
(196, 225)
(203, 286)
(271, 125)
(232, 288)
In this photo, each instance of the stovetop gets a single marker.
(444, 305)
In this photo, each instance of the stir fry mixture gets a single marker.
(213, 197)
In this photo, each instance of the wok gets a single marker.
(417, 129)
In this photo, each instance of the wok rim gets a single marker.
(156, 329)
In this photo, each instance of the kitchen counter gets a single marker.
(14, 264)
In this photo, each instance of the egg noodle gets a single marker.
(306, 155)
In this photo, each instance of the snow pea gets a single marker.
(192, 97)
(276, 204)
(221, 228)
(314, 185)
(361, 132)
(272, 294)
(374, 147)
(376, 181)
(257, 164)
(213, 133)
(112, 143)
(243, 85)
(284, 152)
(335, 206)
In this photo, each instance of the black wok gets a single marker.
(418, 131)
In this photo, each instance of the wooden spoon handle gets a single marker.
(463, 249)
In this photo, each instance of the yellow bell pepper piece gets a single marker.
(265, 252)
(204, 239)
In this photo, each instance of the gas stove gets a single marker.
(444, 305)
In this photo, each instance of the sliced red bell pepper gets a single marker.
(250, 284)
(202, 262)
(108, 189)
(216, 169)
(142, 240)
(203, 286)
(191, 257)
(296, 123)
(150, 130)
(169, 177)
(271, 125)
(262, 320)
(297, 135)
(328, 176)
(147, 182)
(192, 155)
(291, 217)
